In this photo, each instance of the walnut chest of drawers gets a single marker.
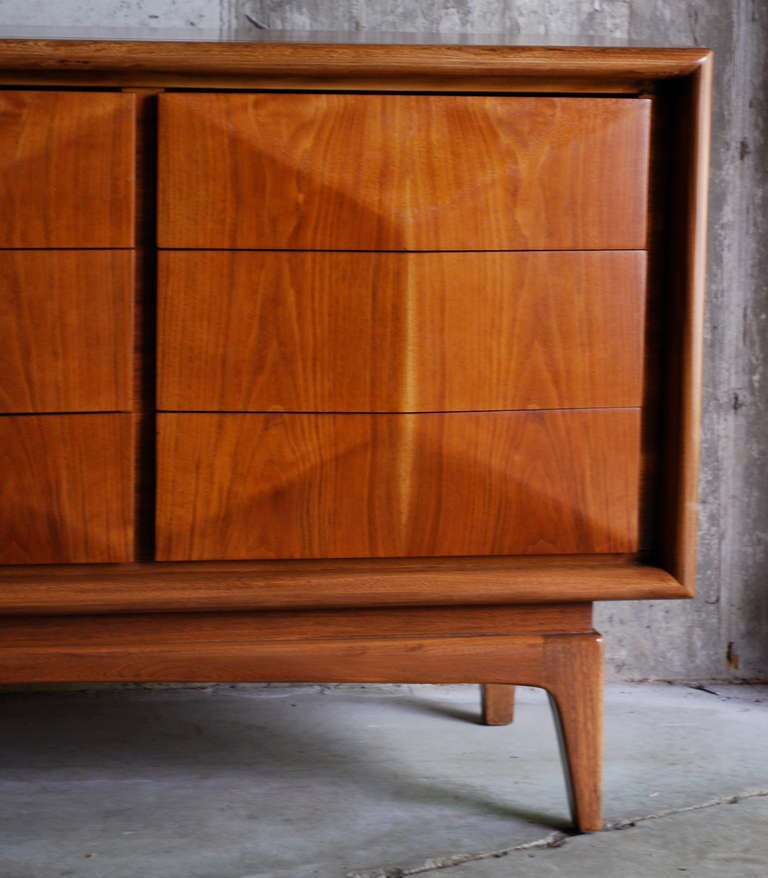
(354, 363)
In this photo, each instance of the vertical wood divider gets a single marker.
(145, 396)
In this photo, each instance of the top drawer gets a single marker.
(402, 172)
(66, 169)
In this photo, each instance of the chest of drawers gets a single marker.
(347, 363)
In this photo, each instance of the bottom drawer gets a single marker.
(66, 488)
(240, 486)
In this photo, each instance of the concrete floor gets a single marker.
(373, 782)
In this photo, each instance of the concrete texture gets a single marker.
(535, 17)
(729, 842)
(723, 633)
(372, 782)
(113, 13)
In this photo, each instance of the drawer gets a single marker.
(66, 330)
(373, 332)
(66, 489)
(67, 169)
(238, 486)
(402, 172)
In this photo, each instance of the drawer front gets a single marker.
(66, 489)
(66, 326)
(365, 332)
(238, 486)
(402, 172)
(66, 169)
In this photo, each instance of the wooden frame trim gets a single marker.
(238, 586)
(683, 564)
(66, 631)
(344, 66)
(368, 660)
(682, 77)
(689, 106)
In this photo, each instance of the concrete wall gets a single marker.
(723, 633)
(208, 14)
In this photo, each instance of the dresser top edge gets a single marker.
(161, 64)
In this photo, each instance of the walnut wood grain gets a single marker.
(568, 666)
(687, 111)
(386, 660)
(305, 486)
(66, 169)
(402, 172)
(334, 65)
(574, 681)
(183, 627)
(66, 488)
(389, 332)
(236, 585)
(66, 331)
(408, 642)
(679, 81)
(497, 704)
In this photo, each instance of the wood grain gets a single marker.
(235, 585)
(305, 486)
(568, 666)
(66, 489)
(66, 331)
(574, 680)
(688, 108)
(402, 172)
(317, 624)
(384, 660)
(498, 704)
(67, 169)
(335, 65)
(400, 332)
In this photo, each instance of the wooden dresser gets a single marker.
(347, 363)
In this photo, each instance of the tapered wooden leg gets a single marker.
(263, 647)
(498, 701)
(574, 671)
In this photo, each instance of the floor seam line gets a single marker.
(553, 840)
(733, 799)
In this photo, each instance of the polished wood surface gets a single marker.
(402, 172)
(183, 627)
(302, 486)
(412, 582)
(66, 488)
(163, 648)
(498, 704)
(66, 331)
(556, 173)
(388, 332)
(679, 83)
(352, 660)
(66, 169)
(574, 681)
(687, 112)
(327, 66)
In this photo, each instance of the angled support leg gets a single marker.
(498, 704)
(574, 682)
(264, 647)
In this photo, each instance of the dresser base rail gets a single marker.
(551, 647)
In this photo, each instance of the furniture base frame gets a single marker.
(548, 646)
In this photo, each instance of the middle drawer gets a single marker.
(400, 332)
